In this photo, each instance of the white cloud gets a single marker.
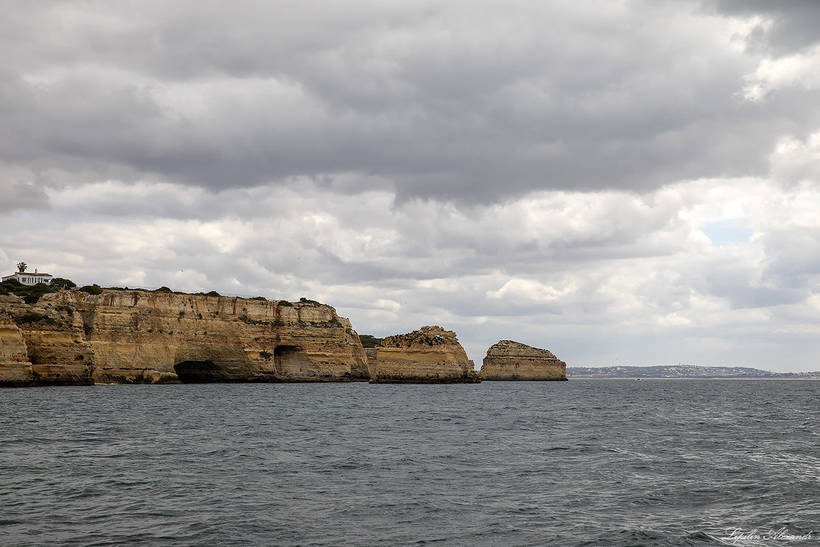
(797, 161)
(528, 290)
(798, 70)
(673, 320)
(593, 274)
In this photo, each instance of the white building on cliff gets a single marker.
(28, 278)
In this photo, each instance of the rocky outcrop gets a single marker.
(508, 360)
(129, 336)
(15, 368)
(428, 355)
(35, 349)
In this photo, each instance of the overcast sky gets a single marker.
(621, 182)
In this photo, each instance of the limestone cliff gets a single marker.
(38, 349)
(428, 355)
(15, 368)
(508, 360)
(131, 336)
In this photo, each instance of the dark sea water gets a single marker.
(585, 462)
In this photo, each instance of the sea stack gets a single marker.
(508, 360)
(430, 355)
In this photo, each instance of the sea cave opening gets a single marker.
(199, 372)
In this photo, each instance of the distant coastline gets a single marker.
(685, 372)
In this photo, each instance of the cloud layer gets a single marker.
(622, 182)
(717, 271)
(469, 101)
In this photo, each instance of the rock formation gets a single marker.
(428, 355)
(35, 350)
(15, 368)
(132, 336)
(508, 360)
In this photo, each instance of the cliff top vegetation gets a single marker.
(370, 341)
(32, 293)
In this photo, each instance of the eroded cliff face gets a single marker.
(508, 360)
(40, 349)
(157, 337)
(15, 368)
(428, 355)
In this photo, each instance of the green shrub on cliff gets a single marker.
(33, 317)
(92, 289)
(32, 293)
(36, 291)
(10, 286)
(59, 283)
(369, 341)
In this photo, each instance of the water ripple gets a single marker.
(523, 463)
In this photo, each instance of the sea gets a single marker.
(584, 462)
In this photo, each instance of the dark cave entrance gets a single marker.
(199, 372)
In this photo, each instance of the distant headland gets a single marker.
(683, 371)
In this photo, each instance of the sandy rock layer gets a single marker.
(428, 355)
(508, 360)
(132, 336)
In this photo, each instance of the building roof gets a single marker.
(25, 274)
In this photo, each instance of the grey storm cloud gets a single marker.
(464, 101)
(792, 24)
(19, 195)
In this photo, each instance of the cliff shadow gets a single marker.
(292, 360)
(201, 372)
